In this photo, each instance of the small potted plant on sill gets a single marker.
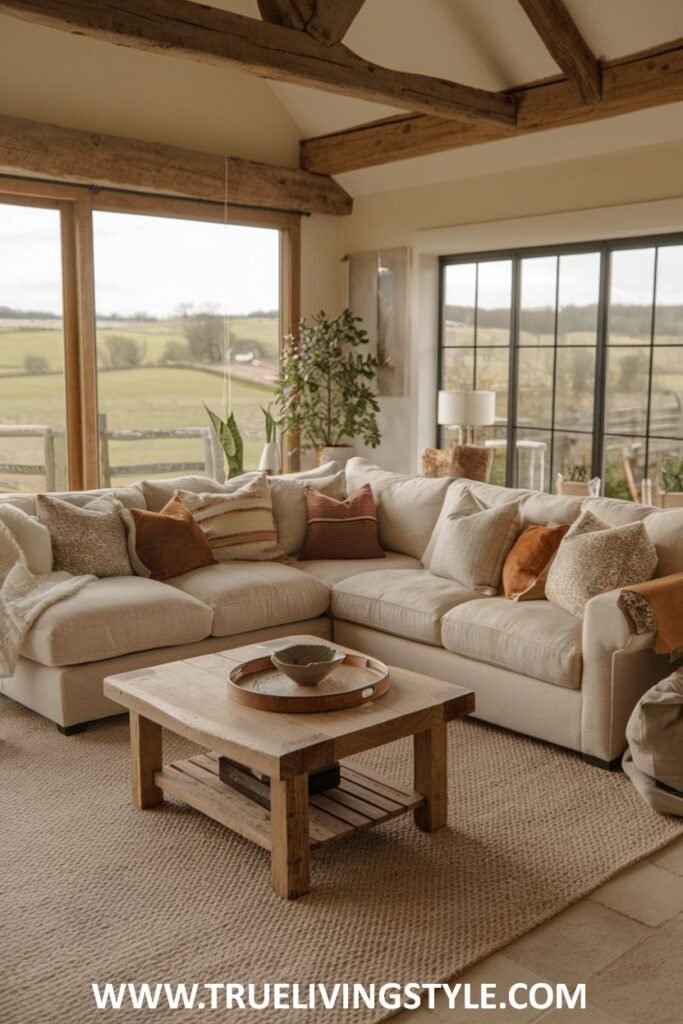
(230, 440)
(270, 456)
(576, 480)
(671, 482)
(324, 393)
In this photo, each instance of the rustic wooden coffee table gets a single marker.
(190, 698)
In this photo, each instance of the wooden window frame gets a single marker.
(76, 205)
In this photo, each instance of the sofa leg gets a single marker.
(72, 730)
(608, 766)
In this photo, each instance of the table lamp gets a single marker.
(466, 410)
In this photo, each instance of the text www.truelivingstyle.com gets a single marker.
(342, 995)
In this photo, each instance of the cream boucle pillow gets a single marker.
(88, 540)
(595, 558)
(238, 526)
(32, 537)
(474, 541)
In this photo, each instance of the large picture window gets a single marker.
(584, 348)
(121, 317)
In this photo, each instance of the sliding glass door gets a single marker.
(33, 449)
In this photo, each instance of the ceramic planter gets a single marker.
(336, 453)
(270, 459)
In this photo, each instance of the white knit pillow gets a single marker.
(595, 558)
(32, 537)
(238, 526)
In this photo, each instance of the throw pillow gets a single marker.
(526, 567)
(471, 462)
(289, 505)
(341, 529)
(594, 558)
(86, 541)
(474, 542)
(32, 537)
(407, 506)
(167, 543)
(238, 526)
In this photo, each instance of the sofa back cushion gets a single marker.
(158, 493)
(130, 497)
(407, 506)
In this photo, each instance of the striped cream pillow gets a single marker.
(238, 526)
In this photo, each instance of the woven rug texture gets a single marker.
(92, 890)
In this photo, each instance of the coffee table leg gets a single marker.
(289, 821)
(145, 760)
(431, 777)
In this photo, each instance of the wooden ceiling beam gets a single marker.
(291, 13)
(566, 45)
(332, 19)
(180, 28)
(652, 78)
(109, 161)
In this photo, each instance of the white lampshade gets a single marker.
(466, 408)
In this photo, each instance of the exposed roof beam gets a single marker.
(109, 161)
(181, 28)
(566, 45)
(326, 20)
(649, 79)
(332, 19)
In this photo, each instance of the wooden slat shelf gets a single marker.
(362, 799)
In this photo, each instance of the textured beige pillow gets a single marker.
(88, 540)
(289, 505)
(595, 558)
(238, 526)
(407, 506)
(474, 541)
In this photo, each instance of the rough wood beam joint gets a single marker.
(566, 45)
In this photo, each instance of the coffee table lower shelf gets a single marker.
(362, 799)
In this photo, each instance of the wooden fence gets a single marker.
(52, 466)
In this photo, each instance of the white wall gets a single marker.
(629, 193)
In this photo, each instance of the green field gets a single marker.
(148, 396)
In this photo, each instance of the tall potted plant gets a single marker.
(324, 392)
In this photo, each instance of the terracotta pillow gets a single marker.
(167, 543)
(341, 529)
(526, 567)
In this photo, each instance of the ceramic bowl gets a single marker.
(307, 664)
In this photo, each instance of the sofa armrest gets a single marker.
(619, 665)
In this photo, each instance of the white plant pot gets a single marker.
(339, 453)
(270, 459)
(670, 499)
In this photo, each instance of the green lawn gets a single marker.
(150, 396)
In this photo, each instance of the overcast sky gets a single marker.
(632, 279)
(150, 264)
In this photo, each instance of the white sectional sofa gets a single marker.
(535, 668)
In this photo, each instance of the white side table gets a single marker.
(536, 449)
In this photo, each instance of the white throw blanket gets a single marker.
(23, 597)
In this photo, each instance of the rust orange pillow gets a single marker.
(527, 565)
(341, 529)
(167, 543)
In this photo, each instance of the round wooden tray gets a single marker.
(258, 684)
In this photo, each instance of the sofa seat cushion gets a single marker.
(332, 570)
(535, 638)
(408, 603)
(245, 596)
(114, 616)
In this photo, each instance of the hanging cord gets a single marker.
(227, 353)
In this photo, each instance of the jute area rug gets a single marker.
(92, 890)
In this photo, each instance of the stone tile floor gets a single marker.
(625, 941)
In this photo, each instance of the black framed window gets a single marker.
(584, 347)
